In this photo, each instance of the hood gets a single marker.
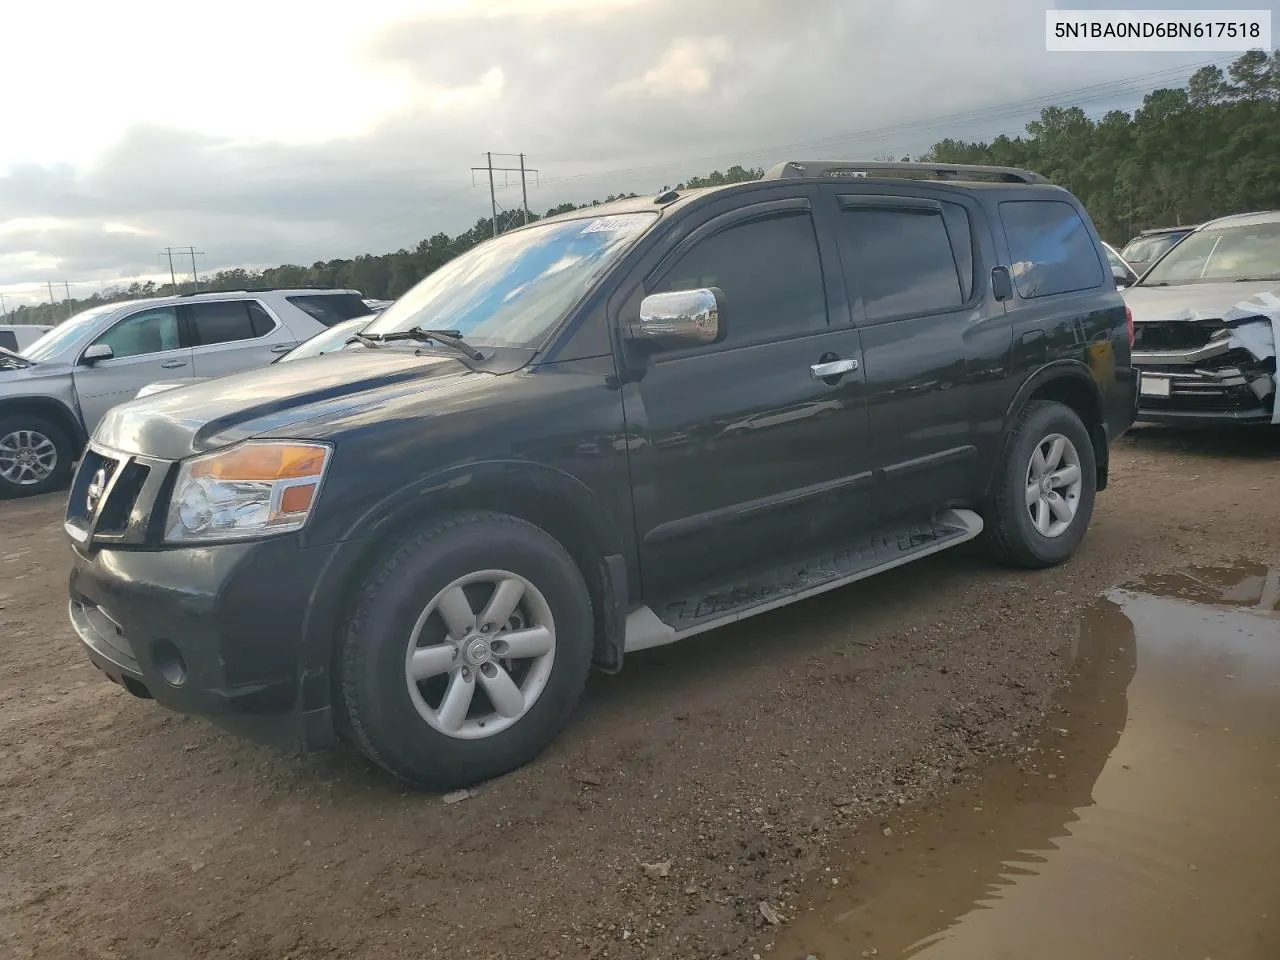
(206, 415)
(1205, 299)
(159, 386)
(12, 361)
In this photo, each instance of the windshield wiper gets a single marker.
(446, 338)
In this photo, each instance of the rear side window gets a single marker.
(221, 321)
(331, 308)
(902, 260)
(1050, 248)
(9, 340)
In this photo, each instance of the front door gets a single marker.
(748, 455)
(146, 346)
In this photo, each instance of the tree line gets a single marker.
(1186, 155)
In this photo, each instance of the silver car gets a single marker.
(54, 394)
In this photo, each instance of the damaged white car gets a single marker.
(1206, 325)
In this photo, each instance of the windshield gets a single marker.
(332, 339)
(67, 332)
(1245, 252)
(512, 290)
(1146, 249)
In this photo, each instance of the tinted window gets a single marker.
(769, 272)
(150, 331)
(331, 308)
(220, 322)
(1050, 248)
(9, 340)
(902, 260)
(261, 320)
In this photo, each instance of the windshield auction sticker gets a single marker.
(620, 223)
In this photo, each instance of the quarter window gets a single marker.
(1050, 248)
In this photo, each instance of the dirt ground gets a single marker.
(731, 764)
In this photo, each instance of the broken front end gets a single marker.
(1206, 371)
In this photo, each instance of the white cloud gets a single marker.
(687, 68)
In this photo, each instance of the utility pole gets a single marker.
(67, 287)
(53, 304)
(524, 191)
(3, 309)
(490, 169)
(195, 277)
(172, 277)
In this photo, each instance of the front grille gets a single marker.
(113, 497)
(95, 467)
(114, 513)
(1174, 334)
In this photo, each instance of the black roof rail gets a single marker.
(854, 169)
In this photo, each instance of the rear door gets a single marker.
(228, 336)
(147, 345)
(932, 338)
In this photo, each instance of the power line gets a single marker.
(189, 251)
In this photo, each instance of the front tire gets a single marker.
(36, 456)
(1044, 488)
(468, 649)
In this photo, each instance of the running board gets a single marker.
(778, 586)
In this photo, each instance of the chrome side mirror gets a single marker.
(99, 351)
(682, 317)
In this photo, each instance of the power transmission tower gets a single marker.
(189, 251)
(490, 169)
(3, 308)
(53, 304)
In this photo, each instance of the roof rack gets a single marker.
(203, 293)
(853, 169)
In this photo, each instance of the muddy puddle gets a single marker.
(1145, 824)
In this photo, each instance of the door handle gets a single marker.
(281, 348)
(171, 364)
(832, 368)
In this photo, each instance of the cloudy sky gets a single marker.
(269, 131)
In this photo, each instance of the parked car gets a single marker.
(425, 546)
(1150, 245)
(1195, 371)
(16, 337)
(335, 338)
(100, 357)
(1123, 274)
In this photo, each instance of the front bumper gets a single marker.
(219, 631)
(1182, 395)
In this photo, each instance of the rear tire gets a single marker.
(1044, 488)
(36, 456)
(428, 634)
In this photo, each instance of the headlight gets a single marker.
(250, 490)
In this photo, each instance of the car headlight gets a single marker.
(254, 489)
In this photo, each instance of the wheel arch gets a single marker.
(51, 409)
(1071, 383)
(554, 501)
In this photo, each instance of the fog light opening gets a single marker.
(168, 663)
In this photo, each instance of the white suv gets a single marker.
(54, 392)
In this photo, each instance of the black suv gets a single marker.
(603, 432)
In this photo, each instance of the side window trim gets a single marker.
(184, 341)
(188, 313)
(970, 292)
(718, 224)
